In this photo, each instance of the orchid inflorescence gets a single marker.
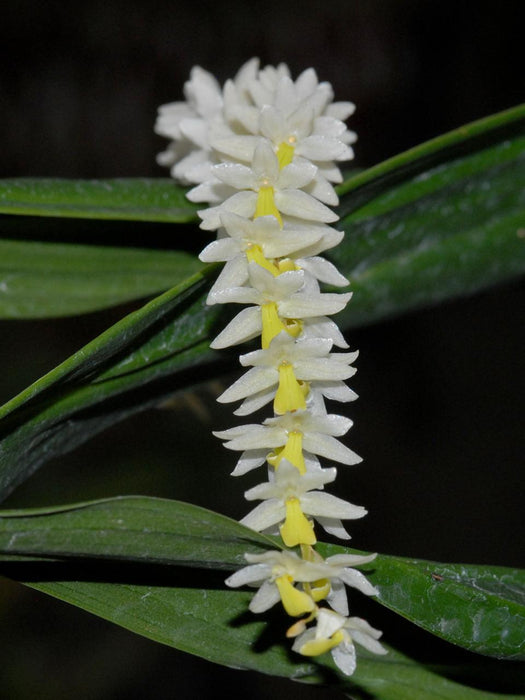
(262, 153)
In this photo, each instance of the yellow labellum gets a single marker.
(271, 323)
(315, 647)
(296, 529)
(285, 152)
(320, 589)
(289, 395)
(266, 204)
(292, 451)
(295, 602)
(287, 265)
(300, 625)
(293, 326)
(255, 254)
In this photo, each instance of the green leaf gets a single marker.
(481, 609)
(132, 199)
(436, 223)
(442, 220)
(130, 528)
(39, 280)
(132, 366)
(215, 625)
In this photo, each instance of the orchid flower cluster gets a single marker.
(261, 152)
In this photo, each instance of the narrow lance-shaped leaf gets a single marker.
(52, 279)
(132, 199)
(214, 625)
(134, 365)
(479, 608)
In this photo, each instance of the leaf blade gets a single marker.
(131, 199)
(478, 608)
(39, 280)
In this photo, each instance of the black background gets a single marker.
(439, 419)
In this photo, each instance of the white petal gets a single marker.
(355, 579)
(324, 328)
(344, 656)
(220, 251)
(320, 147)
(241, 203)
(322, 369)
(251, 459)
(296, 175)
(340, 110)
(300, 204)
(249, 575)
(245, 326)
(235, 175)
(350, 559)
(318, 503)
(305, 306)
(254, 380)
(238, 147)
(337, 598)
(264, 515)
(322, 190)
(336, 391)
(333, 527)
(255, 402)
(272, 124)
(236, 295)
(265, 163)
(323, 270)
(265, 598)
(196, 130)
(329, 447)
(234, 274)
(255, 439)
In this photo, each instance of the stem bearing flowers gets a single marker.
(262, 152)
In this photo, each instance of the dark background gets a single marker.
(439, 419)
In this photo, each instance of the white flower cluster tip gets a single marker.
(262, 152)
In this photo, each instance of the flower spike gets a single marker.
(262, 154)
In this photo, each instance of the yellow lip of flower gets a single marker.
(266, 204)
(271, 323)
(319, 589)
(292, 451)
(289, 395)
(294, 601)
(296, 529)
(293, 326)
(254, 254)
(285, 152)
(298, 627)
(287, 265)
(315, 647)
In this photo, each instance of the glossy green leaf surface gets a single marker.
(434, 224)
(135, 364)
(456, 225)
(214, 624)
(478, 608)
(132, 199)
(130, 528)
(39, 280)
